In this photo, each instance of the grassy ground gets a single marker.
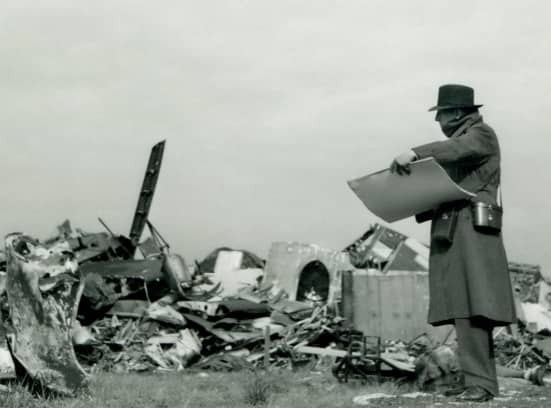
(274, 389)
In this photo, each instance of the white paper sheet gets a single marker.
(393, 197)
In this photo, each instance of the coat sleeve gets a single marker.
(473, 147)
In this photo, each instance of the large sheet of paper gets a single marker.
(393, 197)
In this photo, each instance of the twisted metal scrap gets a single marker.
(44, 289)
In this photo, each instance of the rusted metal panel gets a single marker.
(44, 289)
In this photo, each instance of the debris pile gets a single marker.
(222, 333)
(134, 315)
(525, 279)
(527, 344)
(83, 302)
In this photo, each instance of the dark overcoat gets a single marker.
(470, 276)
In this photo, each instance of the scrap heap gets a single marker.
(82, 302)
(231, 311)
(527, 345)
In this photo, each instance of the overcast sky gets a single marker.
(267, 107)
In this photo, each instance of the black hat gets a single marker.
(455, 96)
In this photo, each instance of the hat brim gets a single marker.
(453, 107)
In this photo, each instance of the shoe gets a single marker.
(453, 390)
(475, 394)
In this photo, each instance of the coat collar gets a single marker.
(469, 120)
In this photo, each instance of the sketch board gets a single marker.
(393, 197)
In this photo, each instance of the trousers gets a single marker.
(475, 353)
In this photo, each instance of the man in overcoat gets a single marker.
(468, 273)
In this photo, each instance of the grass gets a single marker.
(273, 389)
(257, 389)
(276, 388)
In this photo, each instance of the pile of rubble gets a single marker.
(527, 345)
(77, 304)
(122, 318)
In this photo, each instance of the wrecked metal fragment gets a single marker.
(248, 260)
(185, 347)
(82, 336)
(203, 291)
(108, 281)
(125, 334)
(243, 309)
(3, 279)
(384, 249)
(146, 269)
(129, 308)
(44, 288)
(203, 308)
(146, 193)
(233, 277)
(7, 368)
(165, 314)
(149, 248)
(155, 353)
(176, 273)
(294, 310)
(226, 336)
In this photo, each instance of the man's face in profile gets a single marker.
(446, 117)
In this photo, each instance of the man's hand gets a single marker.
(400, 164)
